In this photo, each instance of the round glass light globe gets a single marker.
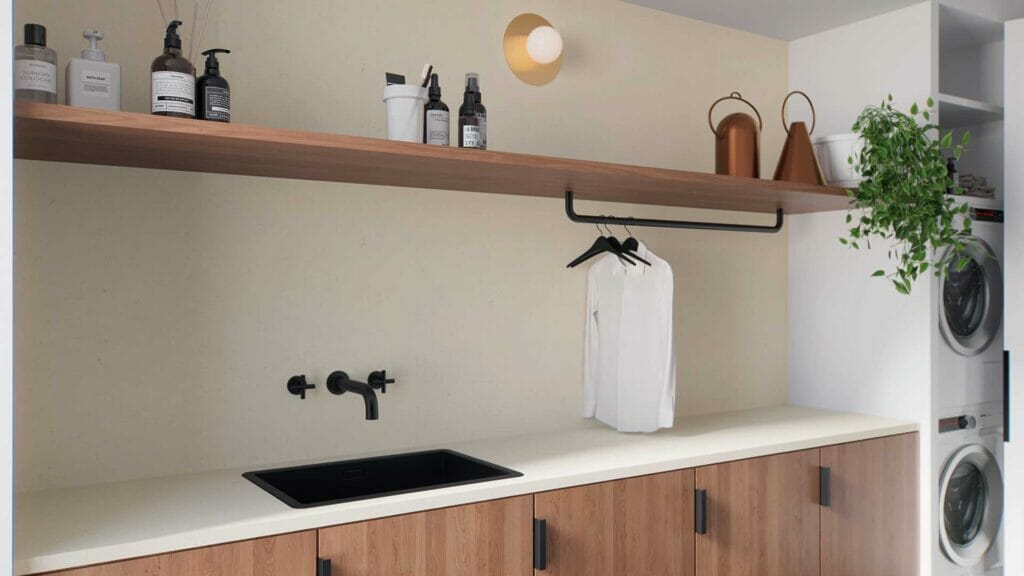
(544, 45)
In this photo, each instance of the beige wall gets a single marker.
(159, 314)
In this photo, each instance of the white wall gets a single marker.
(160, 314)
(847, 68)
(1014, 278)
(854, 342)
(6, 285)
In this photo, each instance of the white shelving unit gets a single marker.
(971, 69)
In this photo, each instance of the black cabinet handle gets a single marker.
(700, 511)
(825, 485)
(323, 567)
(540, 544)
(1006, 395)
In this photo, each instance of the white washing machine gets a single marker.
(968, 463)
(969, 315)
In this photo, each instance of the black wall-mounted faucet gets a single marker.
(297, 385)
(339, 383)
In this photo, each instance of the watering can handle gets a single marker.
(734, 96)
(814, 115)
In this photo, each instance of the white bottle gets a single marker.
(91, 81)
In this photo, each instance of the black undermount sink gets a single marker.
(348, 480)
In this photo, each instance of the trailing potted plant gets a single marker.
(902, 198)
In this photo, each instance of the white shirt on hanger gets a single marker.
(629, 379)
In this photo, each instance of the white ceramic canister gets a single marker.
(834, 153)
(405, 104)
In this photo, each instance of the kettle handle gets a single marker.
(733, 96)
(814, 115)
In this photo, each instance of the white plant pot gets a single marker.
(833, 154)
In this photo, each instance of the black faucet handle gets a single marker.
(378, 379)
(297, 385)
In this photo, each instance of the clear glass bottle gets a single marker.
(35, 68)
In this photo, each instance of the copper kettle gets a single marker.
(737, 141)
(798, 162)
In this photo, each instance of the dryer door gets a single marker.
(971, 299)
(971, 500)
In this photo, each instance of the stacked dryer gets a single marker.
(967, 460)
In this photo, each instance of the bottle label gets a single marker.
(483, 129)
(471, 137)
(35, 75)
(438, 130)
(218, 104)
(174, 92)
(96, 83)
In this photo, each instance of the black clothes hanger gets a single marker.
(629, 247)
(601, 245)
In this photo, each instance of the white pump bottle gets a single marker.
(91, 81)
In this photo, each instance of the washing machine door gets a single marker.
(971, 299)
(971, 500)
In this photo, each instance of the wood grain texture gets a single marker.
(763, 517)
(487, 539)
(639, 526)
(286, 555)
(66, 134)
(871, 528)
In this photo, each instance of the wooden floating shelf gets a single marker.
(65, 134)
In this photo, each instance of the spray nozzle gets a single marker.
(212, 65)
(172, 40)
(93, 52)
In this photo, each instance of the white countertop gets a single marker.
(59, 529)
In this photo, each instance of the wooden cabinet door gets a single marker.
(762, 517)
(492, 538)
(637, 527)
(870, 527)
(286, 555)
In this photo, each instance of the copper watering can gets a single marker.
(798, 162)
(737, 141)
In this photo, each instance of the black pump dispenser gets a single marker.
(172, 40)
(212, 64)
(213, 94)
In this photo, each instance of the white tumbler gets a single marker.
(405, 104)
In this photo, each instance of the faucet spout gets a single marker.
(339, 383)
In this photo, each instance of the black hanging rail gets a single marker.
(629, 221)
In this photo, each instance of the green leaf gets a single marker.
(962, 263)
(878, 273)
(947, 140)
(843, 241)
(965, 139)
(890, 97)
(927, 115)
(849, 217)
(931, 102)
(914, 109)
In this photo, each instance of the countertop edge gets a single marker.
(421, 501)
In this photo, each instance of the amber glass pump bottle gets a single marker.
(173, 85)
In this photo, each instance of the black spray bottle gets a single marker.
(472, 125)
(436, 119)
(213, 94)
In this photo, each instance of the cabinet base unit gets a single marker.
(762, 516)
(486, 539)
(639, 526)
(871, 524)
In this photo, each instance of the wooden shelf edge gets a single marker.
(51, 132)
